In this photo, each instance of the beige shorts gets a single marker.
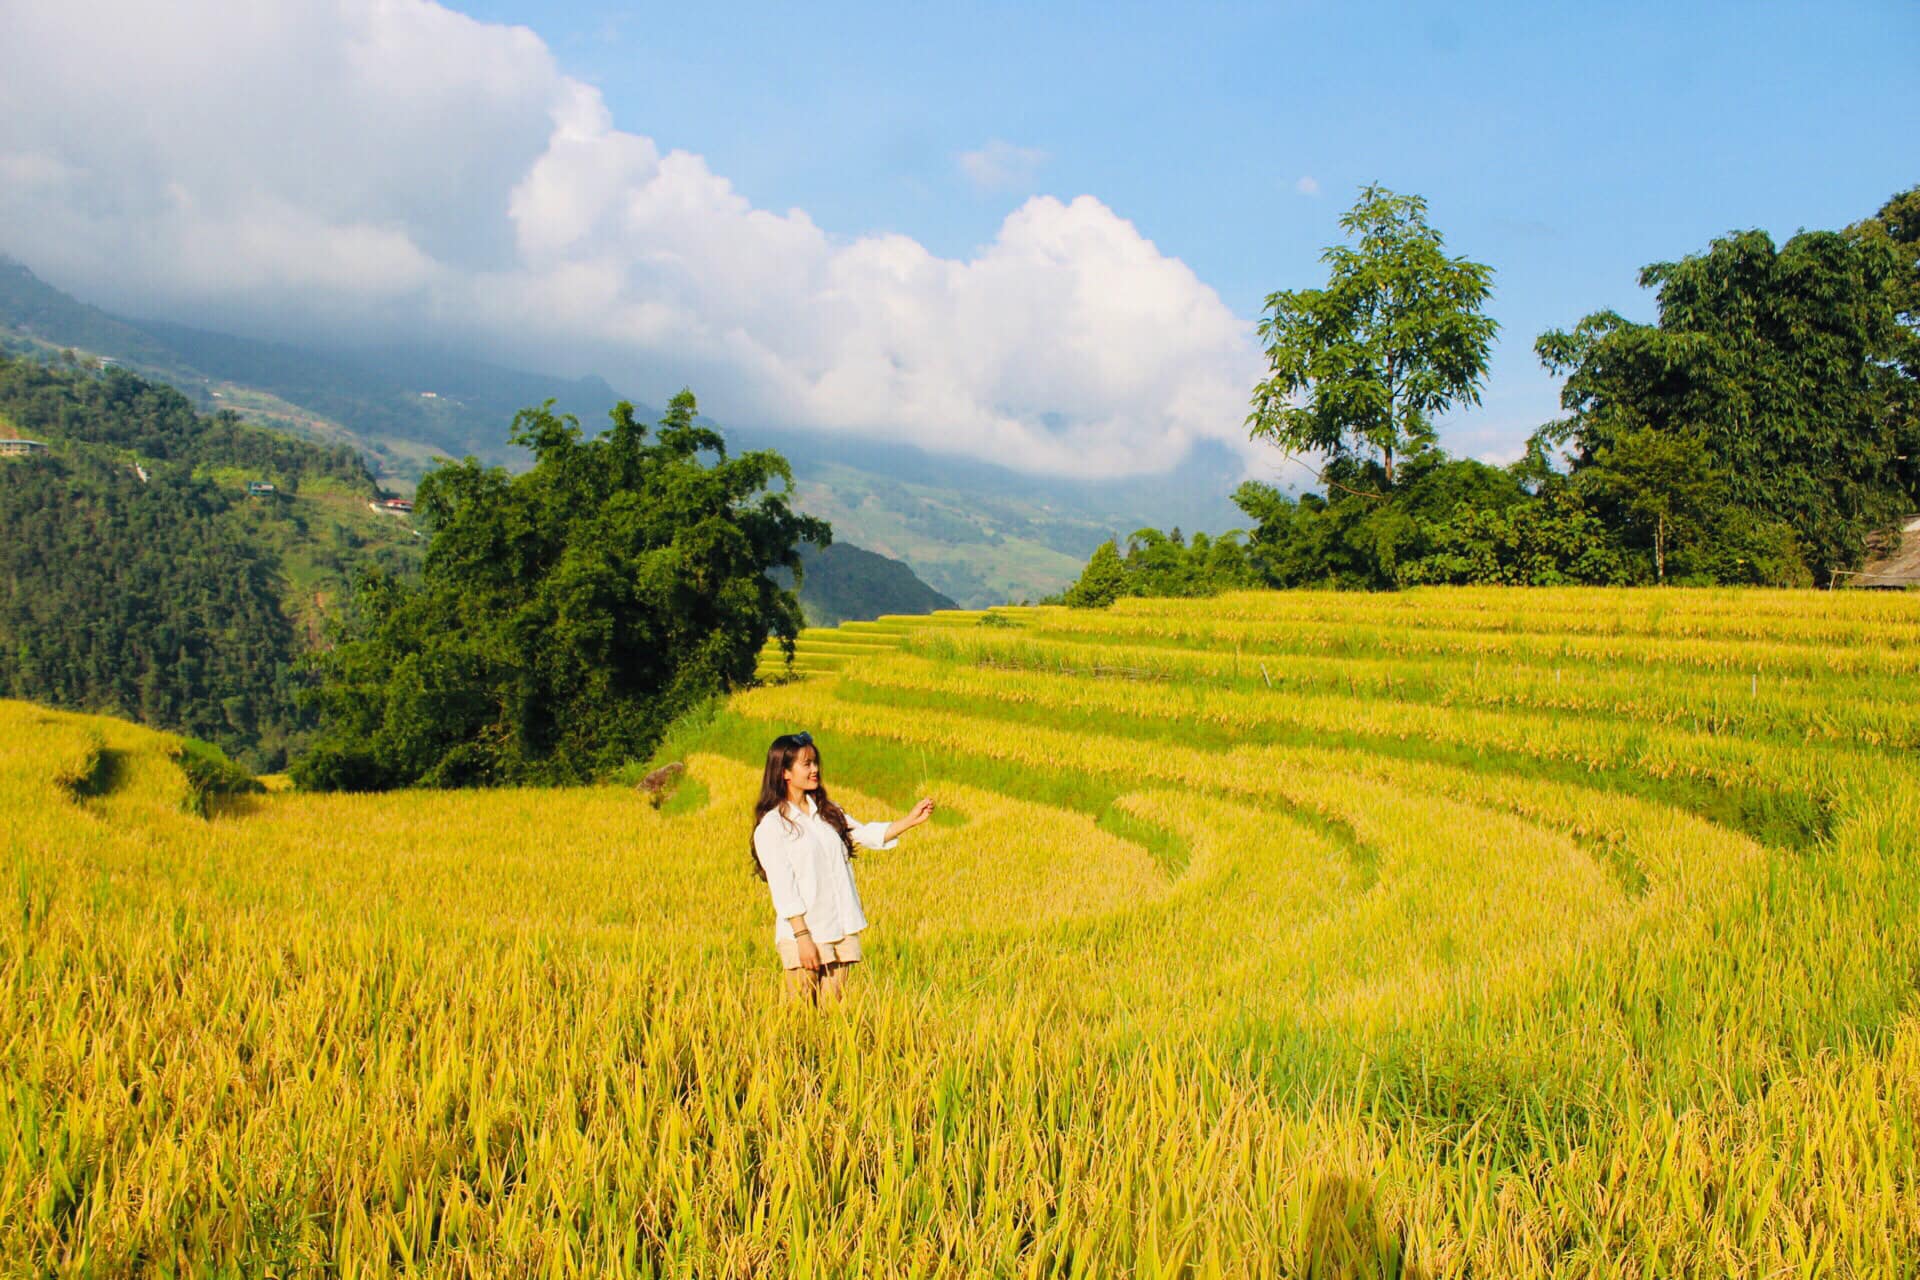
(842, 951)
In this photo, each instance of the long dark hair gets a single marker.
(773, 793)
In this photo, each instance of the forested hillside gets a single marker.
(844, 583)
(137, 574)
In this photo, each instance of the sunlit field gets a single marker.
(1449, 933)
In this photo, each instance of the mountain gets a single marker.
(984, 534)
(172, 567)
(844, 583)
(975, 532)
(401, 407)
(394, 396)
(35, 310)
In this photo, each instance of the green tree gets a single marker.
(1777, 360)
(1895, 230)
(1660, 480)
(563, 616)
(1171, 564)
(1395, 338)
(1103, 581)
(1552, 539)
(1358, 536)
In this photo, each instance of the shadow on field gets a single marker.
(105, 771)
(1344, 1238)
(241, 806)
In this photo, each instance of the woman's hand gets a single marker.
(809, 953)
(900, 826)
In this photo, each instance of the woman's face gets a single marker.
(805, 770)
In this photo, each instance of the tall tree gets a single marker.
(565, 615)
(1896, 229)
(1775, 359)
(1658, 479)
(1397, 337)
(1103, 581)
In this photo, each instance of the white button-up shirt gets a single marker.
(808, 871)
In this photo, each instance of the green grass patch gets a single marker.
(225, 477)
(210, 774)
(683, 737)
(690, 795)
(1166, 848)
(322, 486)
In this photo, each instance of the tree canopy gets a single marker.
(1895, 230)
(1777, 360)
(1395, 338)
(1162, 564)
(1760, 431)
(563, 616)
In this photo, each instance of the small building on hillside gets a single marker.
(21, 446)
(400, 505)
(260, 489)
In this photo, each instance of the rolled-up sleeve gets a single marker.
(872, 835)
(775, 847)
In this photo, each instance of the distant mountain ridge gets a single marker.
(400, 407)
(459, 405)
(974, 532)
(844, 583)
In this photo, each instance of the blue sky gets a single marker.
(1566, 144)
(1038, 235)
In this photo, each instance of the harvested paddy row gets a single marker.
(1027, 708)
(1309, 638)
(1870, 618)
(1836, 709)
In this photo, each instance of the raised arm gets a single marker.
(900, 826)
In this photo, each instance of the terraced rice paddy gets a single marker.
(1452, 933)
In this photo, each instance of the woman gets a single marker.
(802, 847)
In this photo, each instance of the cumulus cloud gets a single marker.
(1000, 166)
(1308, 185)
(389, 168)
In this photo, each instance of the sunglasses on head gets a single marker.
(801, 739)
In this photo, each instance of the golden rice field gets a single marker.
(1450, 933)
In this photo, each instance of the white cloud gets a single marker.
(1308, 185)
(387, 168)
(1001, 166)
